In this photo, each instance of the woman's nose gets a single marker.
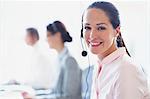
(93, 33)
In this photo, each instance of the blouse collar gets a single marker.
(63, 53)
(119, 52)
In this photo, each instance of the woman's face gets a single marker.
(98, 32)
(51, 39)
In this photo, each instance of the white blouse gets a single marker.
(119, 78)
(39, 71)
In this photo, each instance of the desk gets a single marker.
(10, 95)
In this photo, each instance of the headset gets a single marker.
(84, 54)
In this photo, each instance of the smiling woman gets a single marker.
(101, 30)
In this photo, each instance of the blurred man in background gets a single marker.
(39, 62)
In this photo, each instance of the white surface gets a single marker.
(11, 95)
(17, 89)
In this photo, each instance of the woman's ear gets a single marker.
(58, 34)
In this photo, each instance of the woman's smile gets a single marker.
(95, 43)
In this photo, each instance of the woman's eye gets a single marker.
(101, 28)
(87, 28)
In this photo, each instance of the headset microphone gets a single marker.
(84, 52)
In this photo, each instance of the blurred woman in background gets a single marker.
(69, 80)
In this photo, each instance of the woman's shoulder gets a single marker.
(70, 61)
(130, 75)
(129, 66)
(127, 62)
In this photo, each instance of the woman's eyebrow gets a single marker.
(101, 24)
(96, 24)
(87, 24)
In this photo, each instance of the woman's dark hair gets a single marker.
(113, 15)
(33, 32)
(58, 26)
